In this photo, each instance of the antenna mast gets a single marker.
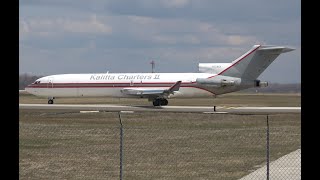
(152, 65)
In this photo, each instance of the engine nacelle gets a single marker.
(258, 83)
(219, 81)
(227, 83)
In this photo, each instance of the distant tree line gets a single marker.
(26, 79)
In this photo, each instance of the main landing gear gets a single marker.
(160, 102)
(50, 100)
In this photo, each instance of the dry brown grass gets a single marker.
(73, 145)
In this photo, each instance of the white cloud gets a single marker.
(175, 3)
(144, 29)
(47, 27)
(191, 39)
(176, 33)
(164, 39)
(167, 39)
(23, 28)
(91, 26)
(240, 40)
(141, 19)
(181, 31)
(159, 5)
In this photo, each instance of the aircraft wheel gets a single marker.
(156, 102)
(160, 102)
(50, 101)
(164, 102)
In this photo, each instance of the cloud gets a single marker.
(57, 26)
(204, 10)
(239, 40)
(182, 32)
(175, 3)
(23, 28)
(91, 26)
(141, 20)
(123, 36)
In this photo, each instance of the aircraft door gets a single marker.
(50, 82)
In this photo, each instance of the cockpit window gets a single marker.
(36, 82)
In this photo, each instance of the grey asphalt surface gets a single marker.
(286, 167)
(204, 109)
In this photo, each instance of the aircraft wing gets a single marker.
(144, 92)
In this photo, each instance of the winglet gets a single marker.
(175, 87)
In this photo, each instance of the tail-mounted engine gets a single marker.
(258, 83)
(227, 81)
(219, 81)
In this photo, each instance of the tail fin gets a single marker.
(251, 64)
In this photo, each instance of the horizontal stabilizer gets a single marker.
(279, 49)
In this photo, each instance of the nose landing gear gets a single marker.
(50, 100)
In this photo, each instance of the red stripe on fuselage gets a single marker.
(55, 87)
(44, 85)
(171, 83)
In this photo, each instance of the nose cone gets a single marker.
(33, 87)
(29, 89)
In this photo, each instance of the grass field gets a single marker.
(58, 144)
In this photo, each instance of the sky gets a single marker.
(123, 36)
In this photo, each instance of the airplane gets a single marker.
(212, 79)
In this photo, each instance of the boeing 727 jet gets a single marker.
(213, 79)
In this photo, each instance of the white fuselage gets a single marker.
(111, 84)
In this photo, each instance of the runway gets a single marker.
(139, 108)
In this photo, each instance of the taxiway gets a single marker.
(204, 109)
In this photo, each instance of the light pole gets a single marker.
(152, 65)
